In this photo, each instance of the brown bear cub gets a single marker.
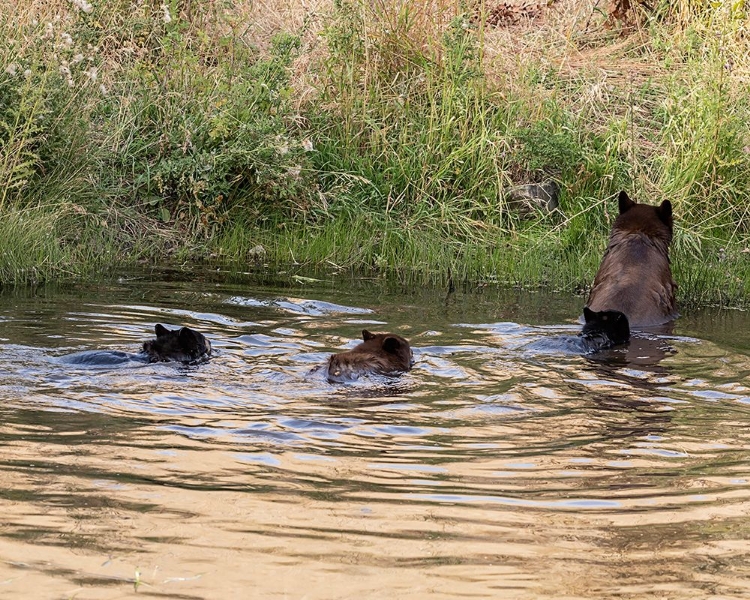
(379, 353)
(634, 277)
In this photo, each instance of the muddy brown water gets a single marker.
(498, 468)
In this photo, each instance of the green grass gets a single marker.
(34, 247)
(383, 248)
(126, 137)
(418, 256)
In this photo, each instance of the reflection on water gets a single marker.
(495, 469)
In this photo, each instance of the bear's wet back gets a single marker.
(181, 345)
(635, 277)
(381, 353)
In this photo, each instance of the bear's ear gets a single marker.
(366, 335)
(161, 330)
(624, 202)
(188, 336)
(588, 314)
(391, 344)
(665, 213)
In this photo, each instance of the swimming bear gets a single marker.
(634, 277)
(379, 353)
(183, 345)
(603, 330)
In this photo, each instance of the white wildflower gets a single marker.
(76, 59)
(283, 149)
(103, 89)
(92, 73)
(307, 145)
(67, 39)
(82, 5)
(27, 73)
(70, 82)
(167, 17)
(65, 70)
(11, 69)
(49, 30)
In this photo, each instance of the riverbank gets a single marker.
(372, 136)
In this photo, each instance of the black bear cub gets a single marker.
(379, 353)
(183, 345)
(603, 329)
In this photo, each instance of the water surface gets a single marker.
(497, 468)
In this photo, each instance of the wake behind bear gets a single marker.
(183, 345)
(634, 277)
(378, 353)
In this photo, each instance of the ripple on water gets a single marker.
(314, 308)
(490, 470)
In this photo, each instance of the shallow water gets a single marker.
(498, 468)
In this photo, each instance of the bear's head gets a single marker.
(381, 353)
(181, 345)
(654, 221)
(611, 323)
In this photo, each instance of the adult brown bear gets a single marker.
(379, 353)
(634, 277)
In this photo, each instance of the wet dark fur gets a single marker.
(634, 277)
(381, 353)
(183, 345)
(603, 330)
